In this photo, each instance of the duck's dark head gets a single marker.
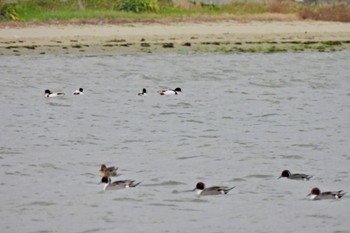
(178, 89)
(200, 186)
(315, 191)
(105, 179)
(285, 173)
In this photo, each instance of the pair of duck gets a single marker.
(315, 193)
(106, 172)
(162, 92)
(50, 94)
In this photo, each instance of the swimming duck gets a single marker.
(143, 93)
(295, 176)
(119, 184)
(48, 93)
(316, 194)
(78, 92)
(214, 190)
(170, 92)
(107, 171)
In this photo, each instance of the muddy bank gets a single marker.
(180, 37)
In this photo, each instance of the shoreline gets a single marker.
(223, 36)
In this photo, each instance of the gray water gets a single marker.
(241, 120)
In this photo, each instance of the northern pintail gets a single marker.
(214, 190)
(316, 194)
(107, 171)
(295, 176)
(119, 184)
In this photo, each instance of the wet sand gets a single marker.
(228, 36)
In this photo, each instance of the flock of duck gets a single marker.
(315, 194)
(175, 91)
(107, 172)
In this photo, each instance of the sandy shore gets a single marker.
(225, 36)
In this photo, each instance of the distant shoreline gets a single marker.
(222, 36)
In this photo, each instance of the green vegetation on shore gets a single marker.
(289, 46)
(92, 11)
(189, 46)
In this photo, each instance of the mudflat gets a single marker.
(223, 36)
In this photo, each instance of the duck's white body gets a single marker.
(50, 94)
(143, 93)
(170, 92)
(79, 92)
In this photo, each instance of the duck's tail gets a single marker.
(132, 185)
(228, 189)
(341, 194)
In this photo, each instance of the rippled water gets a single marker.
(241, 120)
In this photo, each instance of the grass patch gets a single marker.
(83, 16)
(273, 47)
(179, 10)
(332, 42)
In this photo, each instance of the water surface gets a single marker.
(241, 120)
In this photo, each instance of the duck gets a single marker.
(143, 93)
(316, 194)
(107, 171)
(170, 91)
(119, 184)
(214, 190)
(50, 94)
(78, 92)
(287, 174)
